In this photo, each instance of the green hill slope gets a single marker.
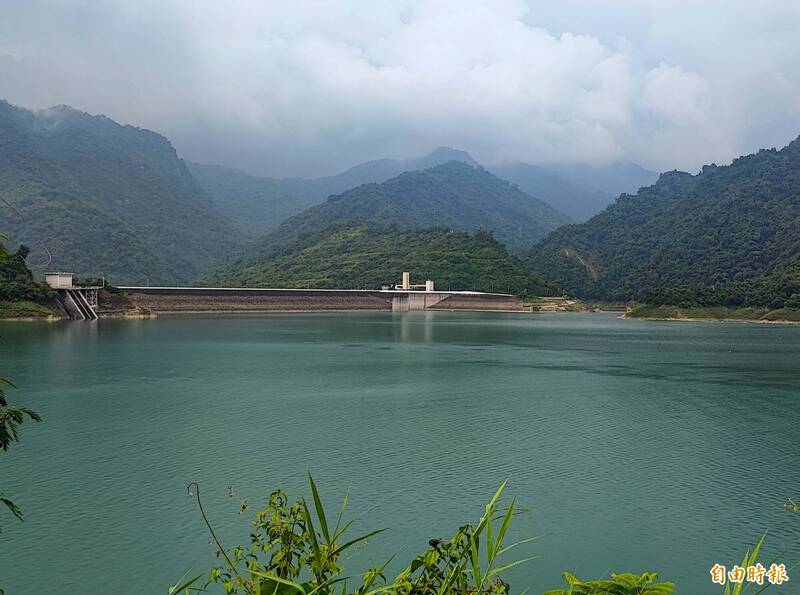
(729, 235)
(454, 195)
(371, 256)
(20, 295)
(104, 199)
(257, 205)
(260, 204)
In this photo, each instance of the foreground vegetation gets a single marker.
(714, 313)
(11, 418)
(294, 549)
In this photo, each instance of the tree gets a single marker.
(23, 251)
(11, 417)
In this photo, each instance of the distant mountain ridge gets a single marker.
(370, 231)
(261, 204)
(375, 171)
(729, 235)
(579, 191)
(453, 195)
(104, 199)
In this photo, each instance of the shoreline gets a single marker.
(262, 312)
(176, 313)
(762, 315)
(682, 319)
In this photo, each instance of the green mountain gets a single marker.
(260, 204)
(729, 235)
(372, 255)
(257, 205)
(576, 190)
(376, 171)
(454, 195)
(94, 197)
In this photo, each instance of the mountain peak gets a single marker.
(444, 154)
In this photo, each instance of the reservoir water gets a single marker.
(633, 445)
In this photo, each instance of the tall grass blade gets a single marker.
(342, 508)
(364, 537)
(320, 510)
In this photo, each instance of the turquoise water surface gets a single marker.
(634, 445)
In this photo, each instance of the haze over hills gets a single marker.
(367, 235)
(729, 235)
(576, 202)
(104, 199)
(375, 171)
(579, 191)
(454, 195)
(257, 205)
(261, 204)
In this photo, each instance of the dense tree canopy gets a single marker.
(454, 195)
(729, 235)
(370, 256)
(104, 199)
(16, 279)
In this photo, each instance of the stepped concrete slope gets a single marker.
(184, 300)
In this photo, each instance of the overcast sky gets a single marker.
(302, 87)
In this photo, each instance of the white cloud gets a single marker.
(315, 86)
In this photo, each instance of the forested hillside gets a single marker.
(729, 235)
(20, 294)
(370, 256)
(454, 195)
(257, 205)
(260, 204)
(104, 199)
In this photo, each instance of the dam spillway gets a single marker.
(194, 300)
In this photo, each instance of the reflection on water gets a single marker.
(635, 445)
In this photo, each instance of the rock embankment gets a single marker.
(480, 302)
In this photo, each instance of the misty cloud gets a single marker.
(312, 87)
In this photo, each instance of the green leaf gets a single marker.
(506, 523)
(364, 537)
(179, 586)
(505, 567)
(274, 585)
(311, 531)
(342, 508)
(320, 510)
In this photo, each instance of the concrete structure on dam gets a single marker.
(243, 300)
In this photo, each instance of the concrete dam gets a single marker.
(188, 300)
